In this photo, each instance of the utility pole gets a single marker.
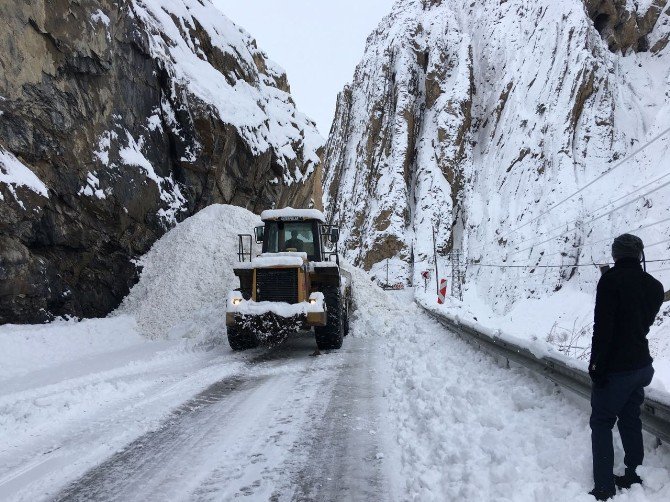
(437, 275)
(457, 275)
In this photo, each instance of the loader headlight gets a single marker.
(236, 301)
(312, 301)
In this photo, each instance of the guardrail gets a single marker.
(655, 414)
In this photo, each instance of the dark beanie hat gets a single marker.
(627, 246)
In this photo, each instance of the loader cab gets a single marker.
(281, 236)
(302, 231)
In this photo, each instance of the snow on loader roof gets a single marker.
(289, 213)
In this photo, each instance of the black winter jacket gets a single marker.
(627, 302)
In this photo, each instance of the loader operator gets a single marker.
(627, 301)
(294, 242)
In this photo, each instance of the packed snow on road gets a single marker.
(150, 403)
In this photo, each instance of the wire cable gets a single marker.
(589, 184)
(656, 244)
(537, 243)
(579, 265)
(656, 271)
(535, 266)
(592, 220)
(593, 244)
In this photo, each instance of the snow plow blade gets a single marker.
(270, 320)
(253, 330)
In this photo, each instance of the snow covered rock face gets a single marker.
(118, 119)
(472, 118)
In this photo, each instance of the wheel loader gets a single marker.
(294, 284)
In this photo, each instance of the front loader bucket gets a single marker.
(270, 328)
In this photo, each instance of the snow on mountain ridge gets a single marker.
(254, 97)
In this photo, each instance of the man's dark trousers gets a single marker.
(619, 397)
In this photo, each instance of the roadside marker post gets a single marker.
(442, 293)
(426, 275)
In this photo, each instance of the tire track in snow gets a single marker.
(254, 435)
(347, 453)
(127, 473)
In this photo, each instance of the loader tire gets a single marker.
(240, 339)
(330, 336)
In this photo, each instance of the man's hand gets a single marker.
(598, 378)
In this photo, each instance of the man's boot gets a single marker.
(629, 479)
(602, 494)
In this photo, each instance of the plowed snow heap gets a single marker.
(294, 284)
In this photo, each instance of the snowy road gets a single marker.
(284, 426)
(405, 411)
(287, 427)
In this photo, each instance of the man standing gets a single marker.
(627, 302)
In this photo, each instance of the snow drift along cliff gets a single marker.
(187, 275)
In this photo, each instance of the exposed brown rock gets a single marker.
(65, 85)
(622, 29)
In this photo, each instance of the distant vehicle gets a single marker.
(295, 284)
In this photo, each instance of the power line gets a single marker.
(491, 265)
(593, 244)
(589, 184)
(592, 219)
(656, 244)
(577, 265)
(595, 180)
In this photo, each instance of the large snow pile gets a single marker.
(187, 275)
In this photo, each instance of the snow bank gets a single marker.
(559, 326)
(470, 429)
(29, 348)
(187, 275)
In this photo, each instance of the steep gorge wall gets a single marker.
(119, 119)
(472, 118)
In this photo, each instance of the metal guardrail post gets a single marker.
(655, 414)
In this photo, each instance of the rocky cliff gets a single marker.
(472, 118)
(119, 118)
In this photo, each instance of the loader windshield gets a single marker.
(283, 236)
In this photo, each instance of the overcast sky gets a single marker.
(317, 42)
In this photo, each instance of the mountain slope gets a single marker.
(118, 119)
(474, 118)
